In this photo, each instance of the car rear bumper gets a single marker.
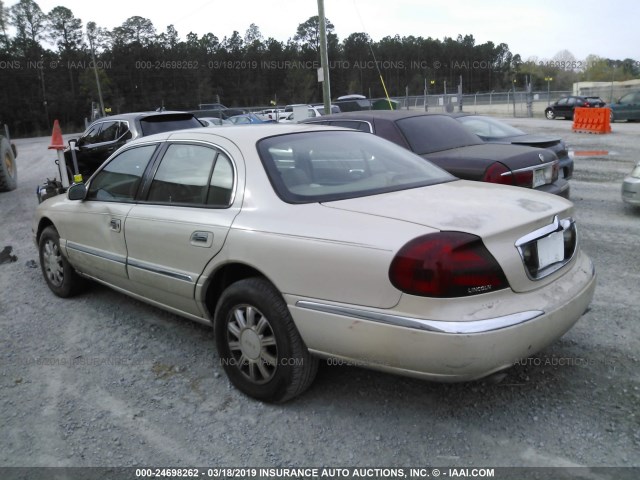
(437, 350)
(560, 187)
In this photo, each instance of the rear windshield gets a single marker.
(334, 165)
(427, 134)
(167, 123)
(489, 127)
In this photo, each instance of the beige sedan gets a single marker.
(299, 242)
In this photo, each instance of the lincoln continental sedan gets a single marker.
(301, 242)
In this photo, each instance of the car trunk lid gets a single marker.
(500, 215)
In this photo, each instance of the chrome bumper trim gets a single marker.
(455, 328)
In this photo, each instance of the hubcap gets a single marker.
(52, 263)
(252, 344)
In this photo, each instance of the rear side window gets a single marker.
(167, 123)
(119, 180)
(193, 175)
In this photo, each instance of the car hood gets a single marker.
(484, 209)
(513, 156)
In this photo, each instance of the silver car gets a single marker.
(304, 242)
(631, 187)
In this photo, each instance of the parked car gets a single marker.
(444, 141)
(214, 121)
(492, 130)
(312, 111)
(298, 243)
(271, 114)
(286, 118)
(626, 108)
(565, 106)
(248, 119)
(106, 135)
(631, 187)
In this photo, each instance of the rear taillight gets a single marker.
(498, 173)
(529, 177)
(445, 265)
(523, 178)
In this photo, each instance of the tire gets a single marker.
(60, 276)
(612, 117)
(8, 167)
(259, 346)
(549, 114)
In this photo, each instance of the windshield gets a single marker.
(334, 165)
(489, 127)
(434, 133)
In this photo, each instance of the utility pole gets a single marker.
(324, 59)
(95, 71)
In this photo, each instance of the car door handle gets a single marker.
(114, 224)
(201, 239)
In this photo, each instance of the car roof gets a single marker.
(138, 115)
(391, 115)
(238, 134)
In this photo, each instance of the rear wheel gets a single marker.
(260, 348)
(60, 276)
(8, 167)
(549, 114)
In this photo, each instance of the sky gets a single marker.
(535, 29)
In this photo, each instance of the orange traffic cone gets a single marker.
(57, 143)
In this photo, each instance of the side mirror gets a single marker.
(77, 191)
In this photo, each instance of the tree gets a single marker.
(4, 18)
(308, 33)
(98, 36)
(65, 29)
(135, 30)
(170, 38)
(252, 35)
(30, 25)
(233, 44)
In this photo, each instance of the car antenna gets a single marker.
(384, 87)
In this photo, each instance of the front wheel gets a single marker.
(60, 276)
(260, 348)
(549, 114)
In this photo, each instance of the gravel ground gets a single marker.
(104, 380)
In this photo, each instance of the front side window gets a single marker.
(193, 175)
(119, 180)
(108, 132)
(89, 136)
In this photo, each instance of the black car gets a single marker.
(443, 141)
(492, 130)
(566, 105)
(106, 135)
